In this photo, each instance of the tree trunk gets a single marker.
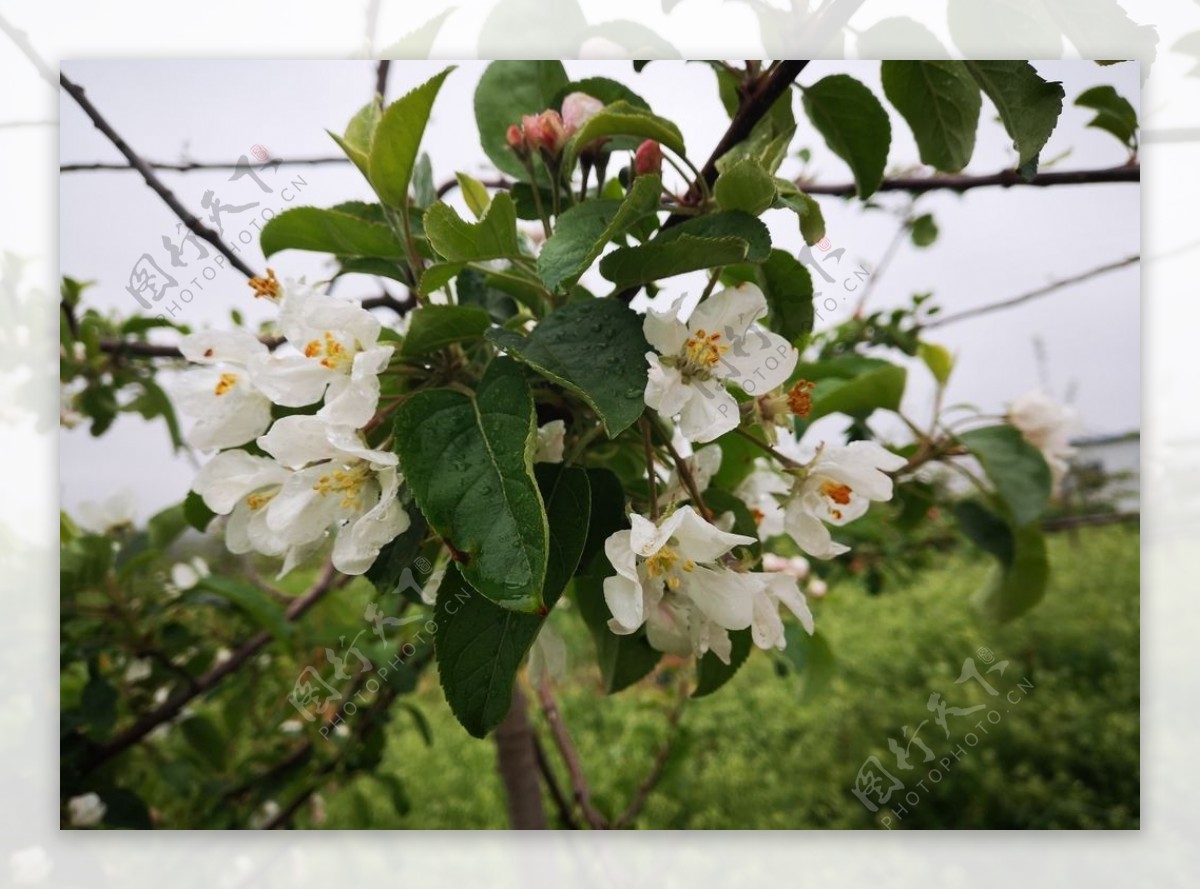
(516, 760)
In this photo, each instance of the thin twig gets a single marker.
(21, 39)
(683, 469)
(1033, 294)
(560, 800)
(884, 261)
(151, 179)
(660, 764)
(381, 79)
(767, 447)
(193, 166)
(963, 183)
(146, 724)
(566, 748)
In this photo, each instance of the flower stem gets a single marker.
(682, 468)
(651, 479)
(782, 458)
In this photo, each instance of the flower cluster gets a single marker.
(547, 133)
(319, 477)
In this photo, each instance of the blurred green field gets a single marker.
(767, 753)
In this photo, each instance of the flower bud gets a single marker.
(516, 140)
(544, 132)
(577, 110)
(648, 158)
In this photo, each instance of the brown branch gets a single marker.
(146, 724)
(963, 183)
(151, 179)
(560, 800)
(682, 468)
(192, 166)
(1033, 294)
(451, 184)
(566, 748)
(381, 79)
(755, 104)
(650, 471)
(660, 764)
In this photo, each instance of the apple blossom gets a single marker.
(1046, 425)
(224, 395)
(720, 343)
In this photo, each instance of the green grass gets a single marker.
(763, 754)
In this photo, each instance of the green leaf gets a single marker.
(605, 89)
(356, 142)
(593, 347)
(1014, 589)
(436, 327)
(479, 645)
(473, 290)
(474, 193)
(437, 276)
(924, 230)
(329, 231)
(583, 231)
(855, 126)
(494, 237)
(624, 119)
(705, 242)
(787, 285)
(263, 611)
(468, 460)
(937, 359)
(881, 386)
(987, 530)
(196, 512)
(397, 140)
(609, 513)
(1028, 105)
(1114, 114)
(507, 90)
(745, 186)
(806, 208)
(424, 192)
(712, 673)
(941, 102)
(1015, 467)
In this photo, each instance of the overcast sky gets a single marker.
(994, 243)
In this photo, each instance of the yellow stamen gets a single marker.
(258, 501)
(226, 383)
(839, 494)
(800, 398)
(333, 354)
(347, 483)
(661, 562)
(701, 352)
(266, 287)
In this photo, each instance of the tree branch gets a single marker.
(381, 79)
(152, 180)
(1004, 179)
(560, 800)
(143, 726)
(193, 166)
(1031, 295)
(21, 39)
(660, 764)
(566, 748)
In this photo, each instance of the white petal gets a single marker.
(709, 413)
(235, 418)
(620, 554)
(291, 380)
(729, 312)
(358, 543)
(665, 392)
(667, 626)
(786, 590)
(300, 514)
(664, 331)
(767, 627)
(210, 346)
(809, 532)
(725, 597)
(550, 441)
(624, 600)
(702, 541)
(758, 361)
(232, 475)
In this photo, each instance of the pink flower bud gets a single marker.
(577, 110)
(516, 139)
(648, 159)
(544, 132)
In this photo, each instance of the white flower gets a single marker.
(817, 588)
(577, 110)
(186, 575)
(339, 359)
(762, 491)
(291, 727)
(796, 566)
(86, 810)
(1046, 425)
(550, 440)
(137, 670)
(720, 343)
(337, 482)
(224, 396)
(837, 488)
(547, 656)
(111, 514)
(775, 589)
(264, 815)
(669, 578)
